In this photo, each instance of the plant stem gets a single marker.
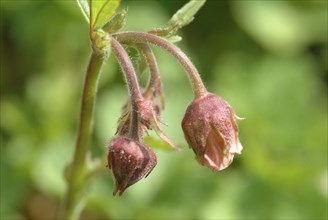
(133, 85)
(142, 37)
(77, 170)
(154, 84)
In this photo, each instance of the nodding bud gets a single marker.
(149, 118)
(129, 161)
(123, 127)
(211, 131)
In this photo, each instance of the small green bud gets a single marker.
(100, 41)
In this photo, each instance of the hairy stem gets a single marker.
(77, 170)
(133, 85)
(154, 84)
(141, 37)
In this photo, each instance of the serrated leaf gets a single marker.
(84, 6)
(180, 19)
(155, 143)
(102, 11)
(186, 14)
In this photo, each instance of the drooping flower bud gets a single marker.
(124, 120)
(148, 120)
(211, 131)
(129, 161)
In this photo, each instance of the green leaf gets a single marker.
(102, 11)
(115, 23)
(186, 14)
(84, 6)
(180, 19)
(174, 38)
(155, 143)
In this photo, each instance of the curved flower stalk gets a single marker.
(132, 38)
(146, 114)
(153, 90)
(155, 87)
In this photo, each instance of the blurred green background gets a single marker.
(268, 59)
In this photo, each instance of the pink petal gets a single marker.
(216, 154)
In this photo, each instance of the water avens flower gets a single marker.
(210, 128)
(129, 161)
(209, 124)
